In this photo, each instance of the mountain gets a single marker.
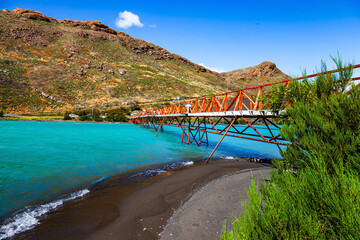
(263, 73)
(58, 65)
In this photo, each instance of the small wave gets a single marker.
(229, 158)
(153, 172)
(188, 163)
(98, 181)
(29, 218)
(149, 173)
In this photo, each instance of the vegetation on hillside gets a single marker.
(54, 65)
(48, 66)
(113, 115)
(314, 193)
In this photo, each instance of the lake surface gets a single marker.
(41, 161)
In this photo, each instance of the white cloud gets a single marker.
(153, 26)
(219, 70)
(128, 19)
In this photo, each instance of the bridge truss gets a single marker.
(218, 114)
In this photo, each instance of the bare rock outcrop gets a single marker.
(88, 24)
(31, 14)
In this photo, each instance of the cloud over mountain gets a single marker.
(128, 19)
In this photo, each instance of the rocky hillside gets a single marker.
(265, 72)
(57, 65)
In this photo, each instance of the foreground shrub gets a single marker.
(323, 117)
(309, 204)
(321, 200)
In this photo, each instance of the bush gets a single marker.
(66, 116)
(84, 118)
(323, 118)
(311, 204)
(117, 118)
(97, 118)
(321, 200)
(1, 113)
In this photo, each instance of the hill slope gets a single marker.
(265, 72)
(48, 64)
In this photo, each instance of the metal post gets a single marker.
(217, 145)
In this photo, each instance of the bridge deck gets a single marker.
(242, 113)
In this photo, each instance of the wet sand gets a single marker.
(120, 208)
(145, 212)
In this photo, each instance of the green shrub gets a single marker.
(1, 113)
(97, 118)
(117, 118)
(311, 204)
(320, 200)
(323, 118)
(84, 118)
(66, 116)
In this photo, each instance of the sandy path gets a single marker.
(203, 215)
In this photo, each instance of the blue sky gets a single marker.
(228, 35)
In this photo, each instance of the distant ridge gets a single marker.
(251, 76)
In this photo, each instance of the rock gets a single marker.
(5, 10)
(111, 71)
(100, 67)
(31, 14)
(86, 66)
(52, 19)
(109, 90)
(121, 71)
(103, 78)
(80, 72)
(122, 34)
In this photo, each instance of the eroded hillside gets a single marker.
(48, 64)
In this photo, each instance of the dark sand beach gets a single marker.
(167, 206)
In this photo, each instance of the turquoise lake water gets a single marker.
(42, 160)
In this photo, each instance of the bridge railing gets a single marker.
(242, 99)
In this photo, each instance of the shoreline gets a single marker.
(120, 203)
(28, 218)
(59, 120)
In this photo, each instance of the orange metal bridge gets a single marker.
(217, 114)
